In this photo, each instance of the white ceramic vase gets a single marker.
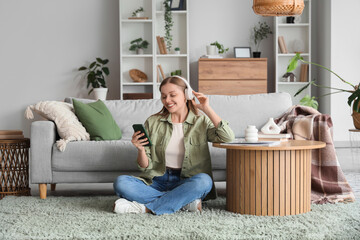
(211, 50)
(100, 93)
(251, 134)
(270, 127)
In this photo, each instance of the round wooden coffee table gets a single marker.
(269, 181)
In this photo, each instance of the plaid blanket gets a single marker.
(328, 183)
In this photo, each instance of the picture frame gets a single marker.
(242, 52)
(176, 4)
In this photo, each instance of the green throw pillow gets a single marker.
(97, 120)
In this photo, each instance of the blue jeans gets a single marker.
(167, 194)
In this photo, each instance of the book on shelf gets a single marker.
(163, 44)
(274, 137)
(282, 45)
(160, 73)
(304, 70)
(158, 39)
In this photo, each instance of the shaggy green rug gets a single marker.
(91, 218)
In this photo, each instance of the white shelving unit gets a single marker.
(295, 34)
(148, 29)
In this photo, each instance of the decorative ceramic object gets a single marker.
(251, 134)
(211, 50)
(270, 127)
(100, 93)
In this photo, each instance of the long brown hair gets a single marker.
(179, 82)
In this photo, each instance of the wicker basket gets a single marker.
(278, 7)
(137, 75)
(14, 167)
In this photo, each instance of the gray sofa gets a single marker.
(103, 161)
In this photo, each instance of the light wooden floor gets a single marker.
(349, 160)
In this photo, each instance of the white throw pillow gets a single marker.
(67, 124)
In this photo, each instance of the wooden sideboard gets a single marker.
(233, 76)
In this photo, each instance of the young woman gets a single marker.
(176, 169)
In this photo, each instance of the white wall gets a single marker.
(43, 42)
(345, 61)
(321, 49)
(229, 22)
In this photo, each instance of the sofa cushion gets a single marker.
(116, 155)
(97, 120)
(243, 110)
(68, 126)
(128, 112)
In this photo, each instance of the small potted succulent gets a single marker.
(138, 12)
(95, 75)
(177, 50)
(138, 45)
(260, 33)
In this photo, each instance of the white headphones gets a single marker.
(188, 90)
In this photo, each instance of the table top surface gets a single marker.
(286, 145)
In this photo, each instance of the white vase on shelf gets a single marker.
(100, 93)
(211, 50)
(251, 134)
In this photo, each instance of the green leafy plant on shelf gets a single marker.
(220, 47)
(353, 99)
(96, 73)
(168, 24)
(139, 10)
(260, 33)
(138, 43)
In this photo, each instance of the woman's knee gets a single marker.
(204, 181)
(121, 183)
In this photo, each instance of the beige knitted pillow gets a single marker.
(67, 124)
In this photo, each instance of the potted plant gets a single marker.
(216, 48)
(177, 50)
(138, 12)
(168, 24)
(95, 75)
(353, 99)
(138, 45)
(260, 33)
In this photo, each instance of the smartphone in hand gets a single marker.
(141, 128)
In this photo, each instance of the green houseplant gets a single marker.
(353, 99)
(138, 45)
(138, 12)
(168, 24)
(95, 75)
(260, 33)
(220, 47)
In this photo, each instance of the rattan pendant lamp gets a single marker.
(278, 7)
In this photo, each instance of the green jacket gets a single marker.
(198, 131)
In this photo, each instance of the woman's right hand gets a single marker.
(137, 142)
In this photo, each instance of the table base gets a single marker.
(268, 182)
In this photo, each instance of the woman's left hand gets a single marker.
(203, 101)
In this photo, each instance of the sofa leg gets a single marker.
(42, 190)
(53, 186)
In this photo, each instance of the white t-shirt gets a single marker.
(175, 151)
